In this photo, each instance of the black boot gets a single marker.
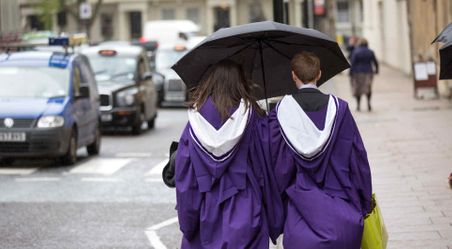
(358, 102)
(369, 107)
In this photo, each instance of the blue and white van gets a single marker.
(49, 106)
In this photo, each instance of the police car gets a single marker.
(49, 105)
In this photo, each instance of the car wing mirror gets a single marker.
(84, 93)
(146, 76)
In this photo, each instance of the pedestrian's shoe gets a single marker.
(369, 107)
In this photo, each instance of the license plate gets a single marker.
(12, 137)
(106, 117)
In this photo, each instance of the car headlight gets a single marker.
(126, 97)
(50, 122)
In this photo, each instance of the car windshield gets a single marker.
(166, 58)
(34, 82)
(110, 69)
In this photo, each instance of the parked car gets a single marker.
(127, 92)
(49, 106)
(172, 90)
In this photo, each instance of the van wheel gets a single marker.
(94, 148)
(71, 155)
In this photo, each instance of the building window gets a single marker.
(192, 14)
(135, 24)
(343, 12)
(34, 23)
(222, 18)
(106, 26)
(168, 14)
(256, 13)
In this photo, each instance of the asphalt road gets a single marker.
(114, 200)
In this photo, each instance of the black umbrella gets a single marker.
(445, 52)
(264, 49)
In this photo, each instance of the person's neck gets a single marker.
(302, 85)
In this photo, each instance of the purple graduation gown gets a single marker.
(231, 201)
(327, 195)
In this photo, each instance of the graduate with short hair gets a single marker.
(320, 164)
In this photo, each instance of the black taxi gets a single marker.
(127, 92)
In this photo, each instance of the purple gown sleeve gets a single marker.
(271, 197)
(360, 171)
(187, 194)
(282, 161)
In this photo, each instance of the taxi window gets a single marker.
(108, 69)
(34, 82)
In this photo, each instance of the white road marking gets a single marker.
(100, 179)
(164, 224)
(17, 171)
(38, 179)
(151, 233)
(102, 166)
(157, 169)
(133, 154)
(154, 239)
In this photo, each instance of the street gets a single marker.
(117, 200)
(106, 201)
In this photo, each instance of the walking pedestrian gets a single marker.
(320, 164)
(227, 195)
(364, 65)
(352, 42)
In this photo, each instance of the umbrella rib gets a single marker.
(240, 50)
(277, 50)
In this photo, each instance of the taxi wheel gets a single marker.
(136, 128)
(6, 161)
(151, 123)
(94, 148)
(71, 155)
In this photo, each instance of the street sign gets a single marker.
(85, 11)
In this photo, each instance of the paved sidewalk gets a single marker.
(409, 144)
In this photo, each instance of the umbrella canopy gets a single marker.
(264, 49)
(445, 52)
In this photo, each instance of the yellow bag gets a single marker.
(375, 235)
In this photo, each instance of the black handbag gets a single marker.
(169, 171)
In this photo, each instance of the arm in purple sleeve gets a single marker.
(187, 194)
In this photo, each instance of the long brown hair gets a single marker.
(226, 83)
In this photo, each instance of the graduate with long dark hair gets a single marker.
(227, 196)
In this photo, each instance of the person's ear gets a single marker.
(319, 76)
(294, 77)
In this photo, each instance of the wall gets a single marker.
(427, 19)
(9, 16)
(386, 28)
